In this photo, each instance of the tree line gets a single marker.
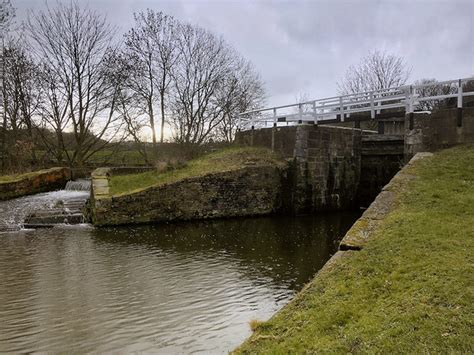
(71, 88)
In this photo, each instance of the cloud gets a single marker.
(306, 46)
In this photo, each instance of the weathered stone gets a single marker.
(438, 130)
(327, 164)
(251, 190)
(363, 229)
(32, 183)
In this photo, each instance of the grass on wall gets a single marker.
(19, 177)
(224, 160)
(410, 290)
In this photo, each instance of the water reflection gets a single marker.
(172, 288)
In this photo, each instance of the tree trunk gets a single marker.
(152, 124)
(162, 106)
(4, 141)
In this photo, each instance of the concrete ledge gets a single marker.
(386, 201)
(35, 182)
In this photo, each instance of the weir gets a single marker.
(44, 210)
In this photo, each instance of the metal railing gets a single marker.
(409, 97)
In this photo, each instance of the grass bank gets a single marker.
(223, 160)
(409, 290)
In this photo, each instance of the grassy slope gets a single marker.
(224, 160)
(410, 290)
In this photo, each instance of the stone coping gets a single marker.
(362, 230)
(357, 237)
(100, 182)
(100, 178)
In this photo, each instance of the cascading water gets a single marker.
(78, 185)
(46, 209)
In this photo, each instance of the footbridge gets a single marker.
(344, 149)
(364, 106)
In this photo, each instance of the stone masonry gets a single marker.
(35, 182)
(326, 163)
(248, 191)
(428, 132)
(327, 168)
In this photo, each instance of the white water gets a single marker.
(78, 185)
(14, 212)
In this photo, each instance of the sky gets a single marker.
(303, 48)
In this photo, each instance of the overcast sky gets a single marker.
(306, 46)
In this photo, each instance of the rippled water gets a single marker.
(177, 288)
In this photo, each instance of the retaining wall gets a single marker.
(334, 167)
(249, 191)
(444, 128)
(382, 156)
(327, 167)
(35, 182)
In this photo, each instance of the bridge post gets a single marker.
(274, 128)
(341, 108)
(381, 127)
(459, 118)
(315, 113)
(300, 113)
(372, 106)
(252, 132)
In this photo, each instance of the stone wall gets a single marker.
(249, 191)
(280, 139)
(35, 182)
(382, 156)
(387, 200)
(327, 168)
(326, 163)
(392, 126)
(428, 132)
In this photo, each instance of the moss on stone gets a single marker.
(408, 290)
(12, 186)
(5, 179)
(225, 160)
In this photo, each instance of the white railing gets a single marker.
(409, 97)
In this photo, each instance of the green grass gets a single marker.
(18, 177)
(410, 290)
(224, 160)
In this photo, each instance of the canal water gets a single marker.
(176, 288)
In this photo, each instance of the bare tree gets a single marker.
(7, 13)
(203, 67)
(20, 92)
(242, 91)
(431, 87)
(378, 70)
(152, 46)
(211, 83)
(122, 72)
(72, 45)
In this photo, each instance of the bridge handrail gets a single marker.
(407, 96)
